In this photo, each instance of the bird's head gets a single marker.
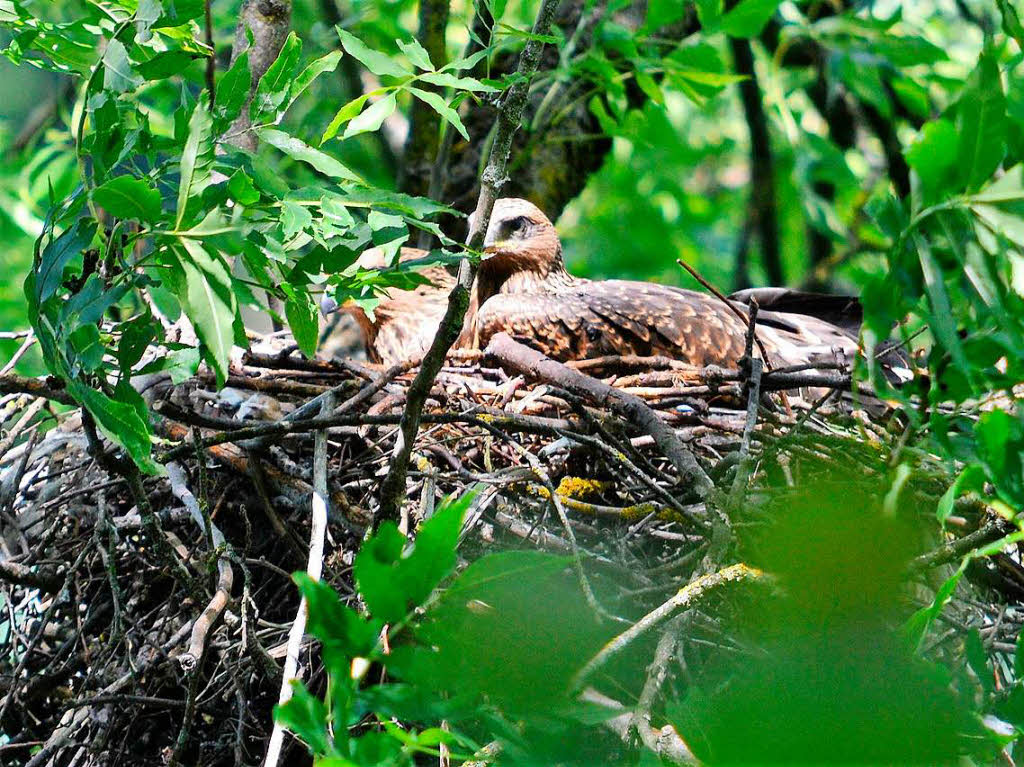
(520, 238)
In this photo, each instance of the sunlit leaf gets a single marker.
(196, 159)
(376, 62)
(276, 84)
(204, 290)
(438, 104)
(299, 150)
(373, 117)
(417, 54)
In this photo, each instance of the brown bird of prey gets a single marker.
(523, 289)
(405, 321)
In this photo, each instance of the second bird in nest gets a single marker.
(524, 289)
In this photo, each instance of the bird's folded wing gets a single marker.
(592, 319)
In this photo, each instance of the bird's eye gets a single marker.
(520, 225)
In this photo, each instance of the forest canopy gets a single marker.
(628, 558)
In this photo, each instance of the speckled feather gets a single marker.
(405, 322)
(523, 289)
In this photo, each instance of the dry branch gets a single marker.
(531, 363)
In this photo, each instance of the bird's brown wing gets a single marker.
(592, 319)
(407, 320)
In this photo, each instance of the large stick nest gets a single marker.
(118, 617)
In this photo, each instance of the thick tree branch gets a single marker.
(269, 22)
(493, 178)
(529, 362)
(15, 384)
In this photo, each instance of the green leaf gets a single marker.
(129, 198)
(324, 64)
(332, 622)
(136, 336)
(977, 658)
(438, 104)
(709, 14)
(981, 123)
(393, 584)
(196, 159)
(1018, 657)
(120, 422)
(294, 218)
(275, 85)
(417, 54)
(448, 80)
(56, 256)
(306, 716)
(233, 89)
(118, 75)
(204, 290)
(373, 117)
(748, 18)
(1011, 21)
(90, 303)
(1007, 188)
(180, 364)
(346, 113)
(299, 150)
(303, 318)
(165, 65)
(468, 62)
(376, 62)
(933, 156)
(942, 317)
(88, 349)
(242, 189)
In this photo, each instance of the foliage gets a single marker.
(897, 164)
(162, 209)
(491, 654)
(954, 269)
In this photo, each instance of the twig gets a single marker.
(522, 359)
(26, 419)
(28, 343)
(949, 552)
(65, 732)
(15, 384)
(745, 319)
(37, 637)
(509, 116)
(665, 743)
(44, 579)
(191, 659)
(314, 569)
(753, 390)
(211, 60)
(687, 597)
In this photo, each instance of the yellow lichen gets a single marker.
(580, 487)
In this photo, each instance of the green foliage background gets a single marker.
(919, 209)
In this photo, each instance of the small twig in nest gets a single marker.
(314, 569)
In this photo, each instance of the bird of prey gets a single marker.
(523, 289)
(405, 321)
